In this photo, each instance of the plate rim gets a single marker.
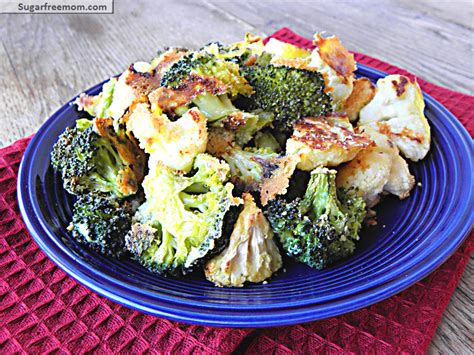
(291, 314)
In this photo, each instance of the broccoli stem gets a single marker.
(321, 199)
(165, 253)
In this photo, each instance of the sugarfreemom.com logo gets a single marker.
(57, 7)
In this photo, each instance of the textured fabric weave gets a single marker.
(43, 310)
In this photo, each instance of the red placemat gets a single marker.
(44, 310)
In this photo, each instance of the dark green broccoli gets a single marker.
(62, 150)
(102, 223)
(322, 227)
(93, 157)
(289, 93)
(181, 223)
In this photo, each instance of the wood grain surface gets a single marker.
(47, 59)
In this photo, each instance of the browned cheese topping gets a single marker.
(400, 86)
(406, 132)
(317, 133)
(362, 93)
(335, 55)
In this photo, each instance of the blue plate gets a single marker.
(413, 237)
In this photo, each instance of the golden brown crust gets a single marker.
(167, 59)
(279, 181)
(250, 61)
(251, 38)
(298, 63)
(362, 93)
(317, 133)
(142, 83)
(219, 140)
(406, 132)
(335, 55)
(234, 121)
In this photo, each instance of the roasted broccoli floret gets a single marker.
(62, 150)
(180, 224)
(94, 157)
(206, 81)
(260, 170)
(252, 254)
(289, 93)
(321, 227)
(249, 167)
(202, 63)
(102, 223)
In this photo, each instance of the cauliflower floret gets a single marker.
(324, 141)
(368, 173)
(252, 255)
(400, 181)
(174, 143)
(397, 111)
(377, 169)
(336, 65)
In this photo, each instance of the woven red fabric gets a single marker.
(43, 310)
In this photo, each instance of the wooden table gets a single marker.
(47, 59)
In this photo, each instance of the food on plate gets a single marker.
(362, 93)
(95, 157)
(185, 214)
(138, 80)
(173, 143)
(336, 65)
(227, 158)
(282, 50)
(376, 170)
(321, 227)
(100, 221)
(260, 170)
(325, 141)
(251, 256)
(397, 111)
(289, 93)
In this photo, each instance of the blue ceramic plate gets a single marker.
(413, 237)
